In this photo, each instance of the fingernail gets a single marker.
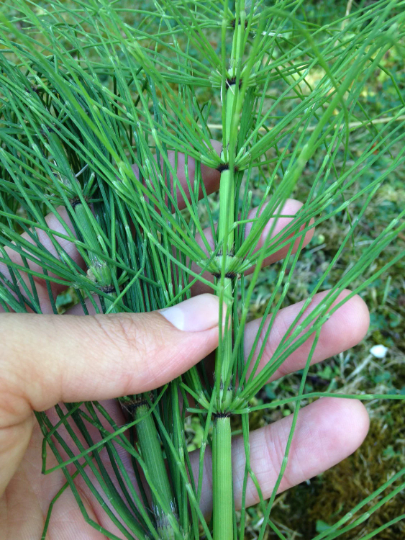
(194, 315)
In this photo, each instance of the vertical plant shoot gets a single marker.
(165, 141)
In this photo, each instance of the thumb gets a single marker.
(46, 359)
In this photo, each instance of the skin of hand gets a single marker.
(49, 359)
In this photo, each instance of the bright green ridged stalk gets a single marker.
(222, 479)
(163, 502)
(222, 440)
(221, 444)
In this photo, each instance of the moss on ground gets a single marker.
(311, 507)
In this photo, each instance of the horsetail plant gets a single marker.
(107, 113)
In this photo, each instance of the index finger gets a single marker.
(181, 187)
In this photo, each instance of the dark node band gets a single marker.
(75, 202)
(223, 167)
(108, 289)
(221, 415)
(229, 275)
(231, 81)
(233, 23)
(131, 407)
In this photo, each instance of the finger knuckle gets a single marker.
(13, 405)
(126, 337)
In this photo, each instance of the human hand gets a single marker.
(47, 359)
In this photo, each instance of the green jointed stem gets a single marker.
(222, 479)
(153, 457)
(163, 502)
(222, 441)
(226, 238)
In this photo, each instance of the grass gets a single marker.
(332, 494)
(308, 509)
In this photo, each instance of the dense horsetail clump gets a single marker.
(100, 103)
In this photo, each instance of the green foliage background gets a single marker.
(332, 494)
(383, 452)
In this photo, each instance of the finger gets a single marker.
(344, 329)
(185, 174)
(275, 226)
(327, 431)
(47, 359)
(290, 208)
(58, 223)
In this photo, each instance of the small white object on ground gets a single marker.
(379, 351)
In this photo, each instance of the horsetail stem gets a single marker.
(222, 441)
(222, 479)
(110, 93)
(99, 270)
(164, 506)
